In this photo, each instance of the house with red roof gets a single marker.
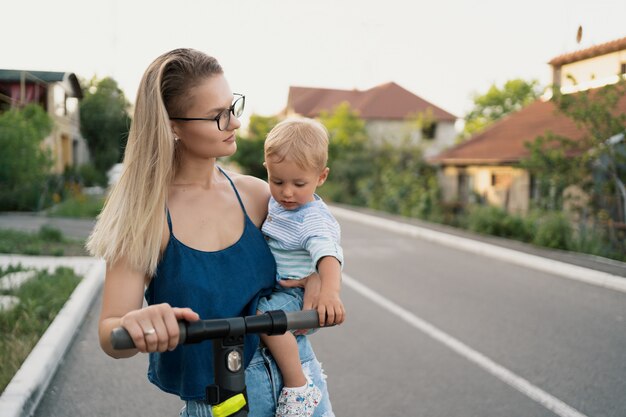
(59, 94)
(389, 112)
(486, 164)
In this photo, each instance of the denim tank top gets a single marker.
(225, 283)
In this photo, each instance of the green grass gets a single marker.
(40, 300)
(78, 206)
(49, 241)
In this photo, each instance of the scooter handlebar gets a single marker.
(271, 322)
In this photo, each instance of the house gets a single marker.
(591, 67)
(485, 166)
(389, 112)
(58, 93)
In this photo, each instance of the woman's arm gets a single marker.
(122, 306)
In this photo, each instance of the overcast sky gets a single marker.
(441, 50)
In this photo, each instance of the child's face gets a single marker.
(292, 186)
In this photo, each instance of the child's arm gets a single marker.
(329, 305)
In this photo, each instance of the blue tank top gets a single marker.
(225, 283)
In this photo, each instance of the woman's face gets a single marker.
(202, 138)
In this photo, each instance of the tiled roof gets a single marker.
(503, 142)
(386, 101)
(596, 50)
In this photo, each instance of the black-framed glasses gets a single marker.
(222, 119)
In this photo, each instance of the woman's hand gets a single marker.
(155, 328)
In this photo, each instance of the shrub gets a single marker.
(553, 231)
(78, 206)
(50, 234)
(90, 176)
(496, 221)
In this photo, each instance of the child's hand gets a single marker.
(311, 285)
(330, 308)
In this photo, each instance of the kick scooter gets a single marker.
(227, 395)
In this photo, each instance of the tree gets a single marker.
(24, 164)
(348, 156)
(401, 182)
(249, 155)
(498, 102)
(104, 122)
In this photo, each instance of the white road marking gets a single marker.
(522, 385)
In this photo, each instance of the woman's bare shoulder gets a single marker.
(248, 183)
(255, 194)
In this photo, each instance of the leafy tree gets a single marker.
(348, 154)
(401, 182)
(249, 155)
(24, 164)
(104, 122)
(498, 102)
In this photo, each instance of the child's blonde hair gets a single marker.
(302, 140)
(132, 221)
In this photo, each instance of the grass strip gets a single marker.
(40, 300)
(48, 241)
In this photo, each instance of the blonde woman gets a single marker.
(186, 232)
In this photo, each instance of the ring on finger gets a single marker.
(149, 332)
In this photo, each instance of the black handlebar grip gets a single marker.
(307, 319)
(120, 339)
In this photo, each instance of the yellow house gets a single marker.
(485, 165)
(58, 93)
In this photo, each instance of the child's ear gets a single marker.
(264, 165)
(323, 176)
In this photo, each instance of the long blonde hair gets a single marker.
(131, 222)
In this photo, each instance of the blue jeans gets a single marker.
(281, 298)
(264, 382)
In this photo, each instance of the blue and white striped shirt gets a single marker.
(300, 238)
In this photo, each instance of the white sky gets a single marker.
(441, 50)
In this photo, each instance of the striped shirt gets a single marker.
(300, 238)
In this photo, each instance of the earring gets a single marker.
(176, 138)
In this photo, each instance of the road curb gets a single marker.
(563, 269)
(23, 394)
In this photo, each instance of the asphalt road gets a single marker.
(565, 339)
(32, 222)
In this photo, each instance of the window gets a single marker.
(429, 130)
(5, 99)
(623, 68)
(501, 180)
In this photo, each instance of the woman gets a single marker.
(188, 233)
